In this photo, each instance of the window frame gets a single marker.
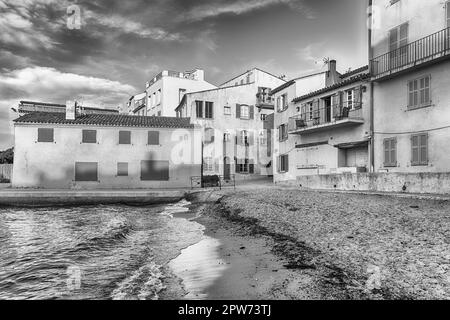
(208, 112)
(149, 133)
(84, 139)
(283, 163)
(41, 130)
(418, 92)
(225, 110)
(245, 115)
(128, 138)
(388, 163)
(283, 134)
(120, 171)
(420, 147)
(208, 164)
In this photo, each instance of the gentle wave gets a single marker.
(179, 207)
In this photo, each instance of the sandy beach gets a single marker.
(276, 243)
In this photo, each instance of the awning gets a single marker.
(350, 145)
(309, 145)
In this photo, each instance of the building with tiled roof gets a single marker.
(33, 106)
(73, 150)
(325, 130)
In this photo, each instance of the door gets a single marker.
(226, 168)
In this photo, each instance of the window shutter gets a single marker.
(411, 93)
(286, 164)
(303, 111)
(238, 111)
(252, 112)
(336, 106)
(386, 152)
(393, 39)
(316, 109)
(89, 136)
(251, 138)
(424, 149)
(415, 152)
(45, 135)
(358, 97)
(279, 164)
(251, 166)
(394, 151)
(153, 138)
(236, 160)
(124, 137)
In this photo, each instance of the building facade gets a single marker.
(137, 105)
(165, 91)
(410, 47)
(235, 121)
(325, 129)
(53, 150)
(32, 106)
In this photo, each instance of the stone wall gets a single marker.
(438, 183)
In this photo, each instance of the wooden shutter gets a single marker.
(238, 111)
(251, 166)
(423, 150)
(45, 135)
(153, 138)
(252, 112)
(286, 163)
(303, 111)
(86, 171)
(251, 137)
(122, 169)
(394, 152)
(357, 97)
(154, 170)
(415, 150)
(316, 109)
(387, 152)
(89, 136)
(336, 106)
(393, 39)
(124, 137)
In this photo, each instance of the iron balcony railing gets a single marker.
(326, 116)
(423, 50)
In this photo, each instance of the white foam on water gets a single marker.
(179, 207)
(144, 284)
(199, 266)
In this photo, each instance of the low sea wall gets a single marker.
(24, 197)
(437, 183)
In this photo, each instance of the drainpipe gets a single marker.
(372, 123)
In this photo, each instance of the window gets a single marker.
(263, 117)
(283, 163)
(245, 166)
(248, 78)
(89, 136)
(419, 92)
(86, 171)
(242, 81)
(263, 138)
(158, 97)
(122, 169)
(153, 138)
(350, 95)
(159, 113)
(448, 13)
(245, 112)
(181, 93)
(227, 110)
(282, 133)
(124, 137)
(244, 138)
(398, 38)
(152, 170)
(45, 135)
(226, 137)
(282, 103)
(310, 111)
(390, 152)
(209, 107)
(419, 152)
(208, 164)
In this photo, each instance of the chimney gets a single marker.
(71, 107)
(332, 75)
(199, 75)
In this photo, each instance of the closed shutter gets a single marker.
(238, 111)
(153, 138)
(336, 106)
(251, 166)
(86, 171)
(89, 136)
(154, 170)
(316, 110)
(415, 152)
(124, 137)
(199, 109)
(286, 163)
(394, 152)
(279, 164)
(45, 135)
(303, 111)
(424, 149)
(252, 112)
(251, 138)
(237, 167)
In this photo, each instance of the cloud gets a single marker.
(129, 26)
(239, 7)
(50, 85)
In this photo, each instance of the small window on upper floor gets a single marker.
(248, 78)
(419, 94)
(153, 138)
(242, 81)
(227, 110)
(89, 136)
(263, 117)
(124, 137)
(45, 135)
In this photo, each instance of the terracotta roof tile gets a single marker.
(109, 120)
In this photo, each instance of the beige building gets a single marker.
(137, 105)
(234, 119)
(92, 151)
(165, 91)
(410, 44)
(33, 106)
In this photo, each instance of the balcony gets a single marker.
(190, 75)
(332, 117)
(430, 49)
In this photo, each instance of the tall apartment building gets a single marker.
(235, 119)
(165, 91)
(410, 47)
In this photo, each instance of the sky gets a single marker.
(121, 44)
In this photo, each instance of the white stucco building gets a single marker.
(165, 91)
